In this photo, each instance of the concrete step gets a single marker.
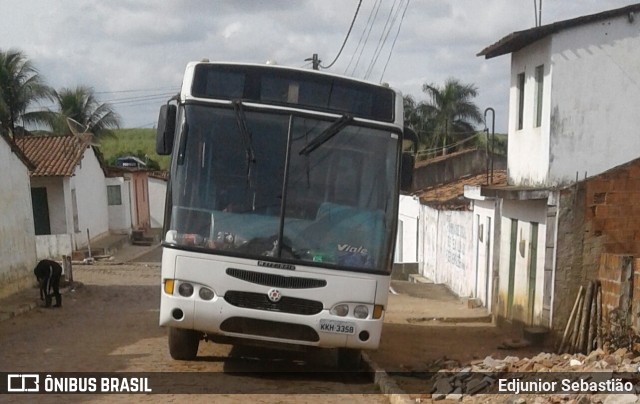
(417, 278)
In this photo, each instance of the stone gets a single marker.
(620, 399)
(442, 386)
(575, 362)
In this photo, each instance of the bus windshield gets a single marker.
(258, 191)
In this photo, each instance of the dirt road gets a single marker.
(110, 323)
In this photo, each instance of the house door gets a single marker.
(483, 266)
(512, 267)
(40, 211)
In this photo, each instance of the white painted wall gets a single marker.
(448, 249)
(56, 199)
(91, 191)
(120, 215)
(525, 212)
(157, 196)
(590, 100)
(407, 238)
(484, 238)
(53, 246)
(595, 98)
(528, 148)
(17, 232)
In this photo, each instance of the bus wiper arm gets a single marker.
(246, 135)
(327, 134)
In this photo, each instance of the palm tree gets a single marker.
(415, 117)
(20, 87)
(80, 105)
(451, 110)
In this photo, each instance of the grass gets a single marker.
(137, 142)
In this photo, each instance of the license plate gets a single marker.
(338, 327)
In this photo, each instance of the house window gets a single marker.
(539, 86)
(520, 84)
(114, 195)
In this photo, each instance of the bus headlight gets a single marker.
(206, 293)
(185, 289)
(361, 311)
(340, 310)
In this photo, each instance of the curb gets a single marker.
(385, 383)
(15, 310)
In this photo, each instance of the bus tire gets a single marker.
(349, 359)
(183, 344)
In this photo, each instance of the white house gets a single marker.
(68, 189)
(18, 246)
(573, 114)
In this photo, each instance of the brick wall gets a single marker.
(598, 230)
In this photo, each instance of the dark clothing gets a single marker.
(48, 274)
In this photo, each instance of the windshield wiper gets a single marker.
(327, 134)
(246, 135)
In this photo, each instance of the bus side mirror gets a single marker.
(166, 129)
(408, 161)
(406, 172)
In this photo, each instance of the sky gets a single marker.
(133, 52)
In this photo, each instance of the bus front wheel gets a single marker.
(183, 344)
(349, 359)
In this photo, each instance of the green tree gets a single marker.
(451, 110)
(20, 87)
(80, 106)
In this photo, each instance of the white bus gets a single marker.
(282, 208)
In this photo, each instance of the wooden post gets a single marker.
(599, 317)
(570, 322)
(584, 320)
(593, 324)
(66, 265)
(576, 327)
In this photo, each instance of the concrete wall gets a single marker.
(120, 215)
(407, 237)
(484, 236)
(525, 292)
(17, 232)
(448, 249)
(528, 148)
(594, 97)
(157, 196)
(91, 193)
(53, 246)
(590, 95)
(57, 201)
(454, 166)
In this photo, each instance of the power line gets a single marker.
(137, 91)
(393, 45)
(367, 38)
(361, 36)
(346, 37)
(383, 37)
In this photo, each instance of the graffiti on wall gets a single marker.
(456, 245)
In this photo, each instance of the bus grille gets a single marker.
(276, 281)
(272, 329)
(259, 301)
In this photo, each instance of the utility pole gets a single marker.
(315, 62)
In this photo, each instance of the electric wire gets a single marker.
(383, 37)
(393, 45)
(364, 30)
(367, 37)
(346, 37)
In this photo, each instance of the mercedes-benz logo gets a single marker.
(274, 295)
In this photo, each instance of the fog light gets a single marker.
(185, 289)
(340, 310)
(361, 311)
(206, 294)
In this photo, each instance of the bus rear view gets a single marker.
(282, 207)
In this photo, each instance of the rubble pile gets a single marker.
(482, 376)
